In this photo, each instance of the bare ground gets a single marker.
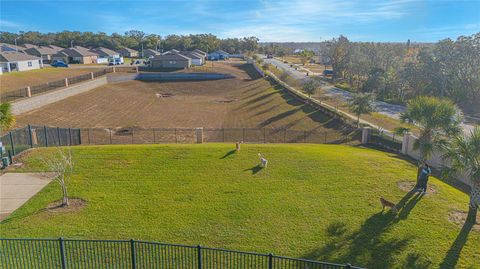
(245, 101)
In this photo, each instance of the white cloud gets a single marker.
(8, 25)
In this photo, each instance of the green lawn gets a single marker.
(313, 201)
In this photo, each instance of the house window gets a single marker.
(172, 62)
(29, 64)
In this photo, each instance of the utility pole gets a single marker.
(16, 47)
(71, 44)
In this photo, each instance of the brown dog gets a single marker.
(386, 203)
(237, 145)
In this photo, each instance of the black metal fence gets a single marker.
(386, 140)
(69, 253)
(21, 139)
(97, 136)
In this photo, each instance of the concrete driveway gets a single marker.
(17, 188)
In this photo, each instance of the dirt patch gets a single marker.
(75, 205)
(459, 217)
(407, 186)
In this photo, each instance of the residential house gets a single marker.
(17, 61)
(150, 53)
(44, 52)
(106, 55)
(170, 61)
(201, 52)
(9, 47)
(76, 54)
(197, 59)
(172, 51)
(126, 52)
(57, 48)
(218, 55)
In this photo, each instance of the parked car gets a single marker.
(57, 63)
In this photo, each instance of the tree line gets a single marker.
(133, 39)
(398, 72)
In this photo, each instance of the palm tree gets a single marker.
(437, 120)
(310, 87)
(463, 152)
(7, 119)
(361, 103)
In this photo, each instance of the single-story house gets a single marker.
(197, 59)
(218, 55)
(57, 48)
(201, 52)
(126, 52)
(170, 61)
(10, 47)
(149, 53)
(172, 51)
(105, 55)
(16, 61)
(76, 54)
(44, 52)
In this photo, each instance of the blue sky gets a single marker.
(284, 20)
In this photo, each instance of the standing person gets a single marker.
(423, 180)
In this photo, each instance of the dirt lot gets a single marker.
(244, 101)
(17, 80)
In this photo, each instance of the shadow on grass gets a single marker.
(453, 253)
(231, 152)
(255, 169)
(367, 247)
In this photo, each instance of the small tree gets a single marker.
(60, 165)
(361, 103)
(7, 119)
(310, 87)
(463, 152)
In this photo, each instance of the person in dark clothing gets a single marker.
(423, 178)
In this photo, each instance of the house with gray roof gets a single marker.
(150, 53)
(197, 59)
(10, 47)
(218, 55)
(44, 52)
(76, 55)
(170, 61)
(127, 52)
(106, 55)
(17, 61)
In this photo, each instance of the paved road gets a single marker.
(390, 110)
(17, 188)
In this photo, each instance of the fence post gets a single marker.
(243, 134)
(199, 135)
(88, 135)
(199, 256)
(12, 144)
(132, 135)
(154, 139)
(45, 134)
(29, 91)
(91, 75)
(270, 261)
(61, 242)
(132, 252)
(66, 82)
(70, 136)
(365, 135)
(136, 69)
(264, 137)
(304, 136)
(176, 140)
(58, 134)
(325, 137)
(110, 132)
(223, 134)
(30, 135)
(79, 136)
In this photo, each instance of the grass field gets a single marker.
(17, 80)
(240, 102)
(313, 201)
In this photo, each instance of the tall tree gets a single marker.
(437, 120)
(463, 152)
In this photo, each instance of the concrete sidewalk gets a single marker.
(17, 188)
